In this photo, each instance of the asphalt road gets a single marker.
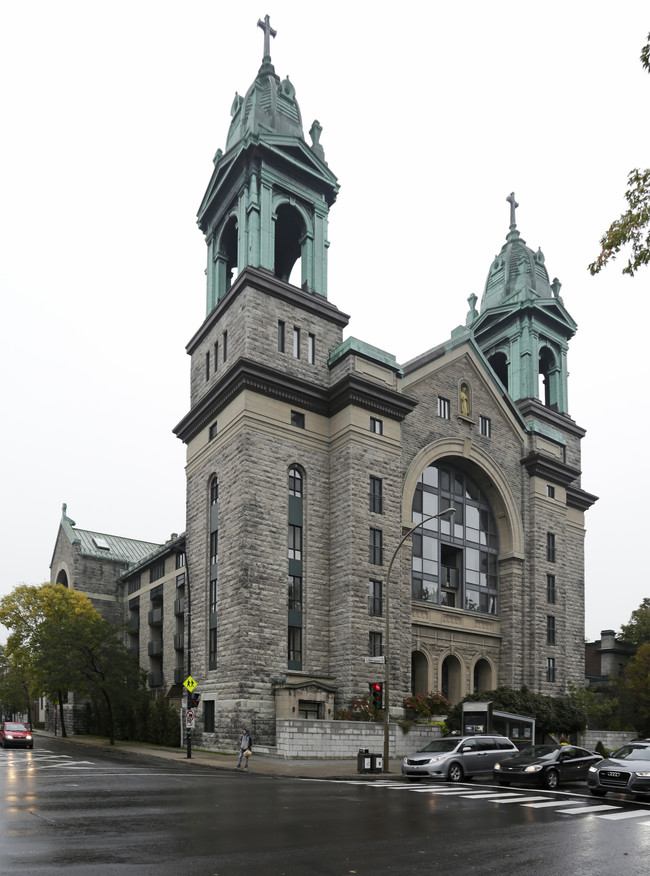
(68, 809)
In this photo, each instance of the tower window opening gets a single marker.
(499, 364)
(547, 378)
(289, 233)
(228, 253)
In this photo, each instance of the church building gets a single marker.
(310, 456)
(351, 520)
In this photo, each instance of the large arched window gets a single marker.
(454, 564)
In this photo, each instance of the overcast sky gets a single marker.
(432, 114)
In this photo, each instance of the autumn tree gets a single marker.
(633, 227)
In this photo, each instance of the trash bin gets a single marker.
(376, 763)
(364, 761)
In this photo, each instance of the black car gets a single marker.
(627, 770)
(546, 765)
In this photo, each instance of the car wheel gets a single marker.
(551, 779)
(455, 773)
(504, 784)
(598, 792)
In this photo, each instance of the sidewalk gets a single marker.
(261, 764)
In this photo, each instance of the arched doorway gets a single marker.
(419, 673)
(482, 676)
(451, 679)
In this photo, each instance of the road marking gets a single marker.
(523, 800)
(635, 813)
(485, 795)
(552, 803)
(586, 809)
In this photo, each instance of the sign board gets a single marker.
(189, 719)
(190, 683)
(375, 659)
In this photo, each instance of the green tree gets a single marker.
(637, 631)
(633, 227)
(637, 679)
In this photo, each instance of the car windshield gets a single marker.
(538, 751)
(11, 726)
(633, 752)
(441, 745)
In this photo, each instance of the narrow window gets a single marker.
(214, 547)
(550, 547)
(216, 357)
(212, 657)
(180, 561)
(376, 547)
(550, 630)
(295, 647)
(550, 668)
(486, 427)
(280, 336)
(157, 570)
(213, 431)
(374, 599)
(295, 593)
(297, 419)
(376, 497)
(295, 482)
(550, 589)
(295, 542)
(550, 491)
(375, 645)
(376, 426)
(224, 344)
(207, 365)
(214, 491)
(311, 349)
(296, 343)
(443, 408)
(208, 713)
(213, 596)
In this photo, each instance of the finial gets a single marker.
(268, 32)
(513, 206)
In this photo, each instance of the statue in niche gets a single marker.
(464, 400)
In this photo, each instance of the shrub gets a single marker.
(427, 705)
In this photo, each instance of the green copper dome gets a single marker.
(270, 105)
(517, 273)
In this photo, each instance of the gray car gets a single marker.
(457, 757)
(626, 771)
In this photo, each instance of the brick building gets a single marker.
(309, 457)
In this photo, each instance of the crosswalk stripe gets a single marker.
(550, 803)
(634, 813)
(584, 809)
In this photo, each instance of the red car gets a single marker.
(14, 733)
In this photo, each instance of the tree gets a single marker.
(637, 631)
(637, 678)
(633, 227)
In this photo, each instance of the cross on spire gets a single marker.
(513, 206)
(268, 32)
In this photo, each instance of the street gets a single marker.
(70, 809)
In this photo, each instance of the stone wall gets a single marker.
(340, 739)
(611, 739)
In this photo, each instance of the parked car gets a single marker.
(627, 770)
(14, 733)
(546, 765)
(457, 757)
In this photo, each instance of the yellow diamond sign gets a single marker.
(190, 683)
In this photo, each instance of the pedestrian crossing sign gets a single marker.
(189, 683)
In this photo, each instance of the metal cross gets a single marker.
(268, 31)
(513, 206)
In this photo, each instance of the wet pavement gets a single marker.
(260, 764)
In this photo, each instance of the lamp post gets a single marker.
(446, 514)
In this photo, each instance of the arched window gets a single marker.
(499, 363)
(296, 558)
(547, 377)
(289, 236)
(454, 564)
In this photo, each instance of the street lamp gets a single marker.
(446, 514)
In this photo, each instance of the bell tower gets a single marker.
(523, 328)
(268, 200)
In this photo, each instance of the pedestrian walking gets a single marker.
(245, 748)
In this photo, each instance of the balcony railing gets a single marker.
(155, 679)
(155, 648)
(178, 642)
(155, 617)
(179, 605)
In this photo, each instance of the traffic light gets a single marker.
(377, 694)
(194, 699)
